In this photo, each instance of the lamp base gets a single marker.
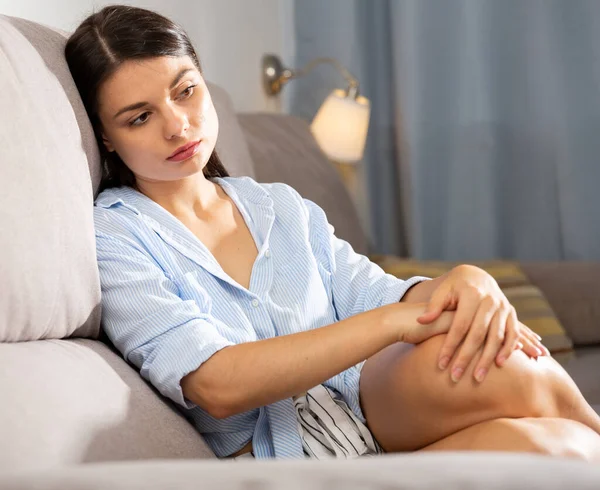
(272, 73)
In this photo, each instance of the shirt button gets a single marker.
(267, 253)
(255, 303)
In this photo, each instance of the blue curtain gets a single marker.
(485, 130)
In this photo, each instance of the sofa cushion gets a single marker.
(532, 307)
(284, 150)
(417, 471)
(76, 401)
(48, 278)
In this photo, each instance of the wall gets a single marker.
(230, 36)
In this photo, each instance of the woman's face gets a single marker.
(149, 109)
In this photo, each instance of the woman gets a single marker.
(236, 300)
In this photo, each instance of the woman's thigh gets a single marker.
(409, 403)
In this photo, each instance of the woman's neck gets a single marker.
(194, 196)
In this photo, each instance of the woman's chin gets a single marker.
(189, 166)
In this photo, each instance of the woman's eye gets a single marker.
(141, 119)
(188, 91)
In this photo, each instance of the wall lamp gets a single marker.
(341, 123)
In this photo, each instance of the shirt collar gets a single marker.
(252, 199)
(137, 202)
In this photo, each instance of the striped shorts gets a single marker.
(329, 428)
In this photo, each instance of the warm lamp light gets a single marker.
(341, 123)
(340, 126)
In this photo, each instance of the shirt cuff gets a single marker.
(186, 348)
(397, 292)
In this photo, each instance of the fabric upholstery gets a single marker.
(48, 277)
(532, 307)
(583, 368)
(284, 150)
(49, 43)
(573, 290)
(76, 401)
(417, 471)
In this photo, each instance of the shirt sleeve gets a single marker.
(164, 336)
(357, 284)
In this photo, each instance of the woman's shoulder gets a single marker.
(116, 212)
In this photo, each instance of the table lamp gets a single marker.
(341, 123)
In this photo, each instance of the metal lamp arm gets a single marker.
(352, 82)
(275, 75)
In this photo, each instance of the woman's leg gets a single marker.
(409, 403)
(547, 436)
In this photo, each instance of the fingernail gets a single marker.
(444, 362)
(539, 351)
(480, 374)
(456, 374)
(501, 360)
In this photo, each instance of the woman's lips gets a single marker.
(185, 154)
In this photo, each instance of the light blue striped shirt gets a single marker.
(168, 306)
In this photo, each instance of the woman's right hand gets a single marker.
(403, 316)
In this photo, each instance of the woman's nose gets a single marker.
(176, 123)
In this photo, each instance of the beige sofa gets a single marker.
(73, 413)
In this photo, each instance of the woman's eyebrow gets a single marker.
(139, 105)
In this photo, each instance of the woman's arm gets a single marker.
(254, 374)
(177, 345)
(422, 291)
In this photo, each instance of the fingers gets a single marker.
(510, 339)
(531, 343)
(475, 338)
(439, 301)
(424, 332)
(535, 339)
(530, 348)
(494, 341)
(467, 308)
(431, 315)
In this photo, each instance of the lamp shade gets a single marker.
(340, 126)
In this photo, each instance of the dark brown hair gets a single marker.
(100, 45)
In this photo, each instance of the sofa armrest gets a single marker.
(573, 291)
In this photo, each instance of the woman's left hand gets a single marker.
(483, 315)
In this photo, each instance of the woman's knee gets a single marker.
(409, 402)
(520, 388)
